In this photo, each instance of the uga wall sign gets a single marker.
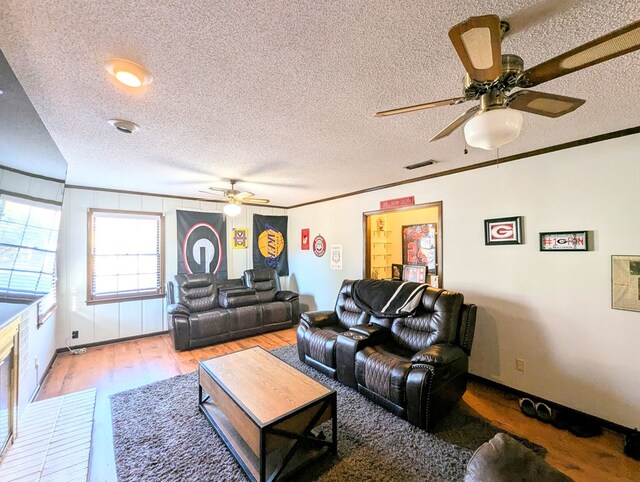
(398, 202)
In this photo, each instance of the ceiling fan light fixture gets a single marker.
(493, 128)
(231, 209)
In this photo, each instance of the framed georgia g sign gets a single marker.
(503, 231)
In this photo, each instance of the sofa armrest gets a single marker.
(179, 329)
(439, 354)
(349, 343)
(374, 333)
(178, 309)
(318, 319)
(286, 295)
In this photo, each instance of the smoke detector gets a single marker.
(125, 126)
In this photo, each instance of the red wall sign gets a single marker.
(398, 203)
(304, 242)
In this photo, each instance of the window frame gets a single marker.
(91, 298)
(48, 304)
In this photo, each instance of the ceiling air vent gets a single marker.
(125, 126)
(420, 164)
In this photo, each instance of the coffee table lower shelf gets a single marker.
(282, 447)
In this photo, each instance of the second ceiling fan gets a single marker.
(491, 75)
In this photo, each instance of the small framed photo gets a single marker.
(416, 273)
(503, 231)
(565, 241)
(625, 283)
(396, 271)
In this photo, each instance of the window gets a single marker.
(28, 240)
(125, 256)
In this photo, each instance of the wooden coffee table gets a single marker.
(265, 411)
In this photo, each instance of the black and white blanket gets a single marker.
(387, 299)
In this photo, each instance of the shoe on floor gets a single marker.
(527, 406)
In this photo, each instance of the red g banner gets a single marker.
(201, 243)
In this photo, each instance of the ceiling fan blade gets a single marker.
(614, 44)
(213, 193)
(477, 43)
(255, 200)
(541, 103)
(428, 105)
(244, 194)
(456, 123)
(217, 189)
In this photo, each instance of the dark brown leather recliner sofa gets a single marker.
(414, 366)
(202, 312)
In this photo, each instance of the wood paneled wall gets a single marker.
(120, 320)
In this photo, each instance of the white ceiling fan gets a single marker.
(234, 198)
(496, 120)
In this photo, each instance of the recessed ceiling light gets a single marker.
(125, 126)
(128, 73)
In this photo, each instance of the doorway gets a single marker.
(405, 243)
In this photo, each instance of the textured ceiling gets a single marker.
(281, 94)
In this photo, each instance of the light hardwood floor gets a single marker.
(120, 366)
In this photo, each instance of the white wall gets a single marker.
(36, 350)
(551, 309)
(111, 321)
(23, 184)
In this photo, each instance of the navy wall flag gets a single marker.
(202, 243)
(270, 243)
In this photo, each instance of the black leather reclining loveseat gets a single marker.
(201, 312)
(414, 366)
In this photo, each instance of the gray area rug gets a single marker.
(160, 435)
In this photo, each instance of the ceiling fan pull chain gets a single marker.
(497, 157)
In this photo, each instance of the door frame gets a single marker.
(366, 221)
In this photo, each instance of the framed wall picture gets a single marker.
(419, 245)
(336, 256)
(625, 283)
(396, 271)
(414, 273)
(565, 241)
(240, 238)
(304, 239)
(503, 231)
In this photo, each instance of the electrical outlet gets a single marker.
(74, 334)
(520, 364)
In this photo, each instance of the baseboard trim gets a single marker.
(46, 370)
(519, 393)
(109, 342)
(43, 376)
